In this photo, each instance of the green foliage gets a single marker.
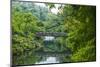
(26, 58)
(36, 10)
(81, 32)
(24, 26)
(78, 22)
(87, 53)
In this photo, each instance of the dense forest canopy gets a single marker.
(77, 21)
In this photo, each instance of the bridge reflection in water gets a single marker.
(50, 54)
(41, 58)
(48, 60)
(52, 57)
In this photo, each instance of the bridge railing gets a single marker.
(56, 34)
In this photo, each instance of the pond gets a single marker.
(48, 60)
(51, 53)
(41, 58)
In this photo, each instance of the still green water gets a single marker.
(51, 53)
(41, 58)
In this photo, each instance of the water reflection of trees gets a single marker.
(37, 57)
(26, 58)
